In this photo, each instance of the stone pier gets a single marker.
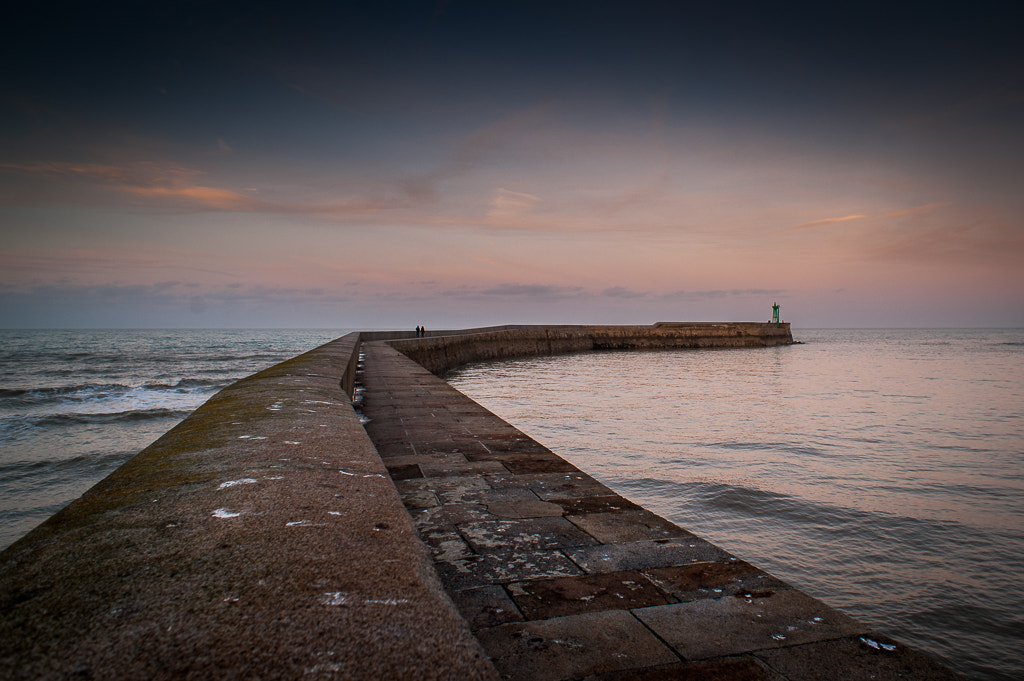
(272, 535)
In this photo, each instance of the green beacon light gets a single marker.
(775, 313)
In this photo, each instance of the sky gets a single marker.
(452, 164)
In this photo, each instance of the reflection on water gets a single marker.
(882, 471)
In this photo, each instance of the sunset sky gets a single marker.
(387, 164)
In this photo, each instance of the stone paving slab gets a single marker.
(647, 554)
(543, 599)
(744, 668)
(481, 570)
(714, 627)
(524, 534)
(712, 580)
(626, 526)
(577, 645)
(857, 658)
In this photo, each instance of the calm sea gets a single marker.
(879, 470)
(75, 405)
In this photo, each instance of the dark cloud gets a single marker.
(623, 292)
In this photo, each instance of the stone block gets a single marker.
(481, 570)
(733, 625)
(524, 508)
(449, 514)
(445, 469)
(608, 504)
(549, 486)
(573, 646)
(647, 554)
(712, 580)
(486, 606)
(868, 657)
(528, 534)
(543, 599)
(405, 472)
(626, 526)
(745, 668)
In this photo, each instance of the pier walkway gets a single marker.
(561, 578)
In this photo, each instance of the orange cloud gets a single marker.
(917, 210)
(827, 221)
(207, 196)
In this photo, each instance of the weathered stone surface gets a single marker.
(712, 580)
(731, 625)
(549, 486)
(869, 657)
(525, 508)
(449, 514)
(406, 472)
(442, 469)
(522, 465)
(527, 534)
(646, 554)
(566, 647)
(486, 606)
(745, 668)
(481, 570)
(610, 504)
(543, 599)
(626, 526)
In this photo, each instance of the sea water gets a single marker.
(76, 404)
(881, 471)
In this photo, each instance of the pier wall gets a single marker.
(441, 352)
(259, 538)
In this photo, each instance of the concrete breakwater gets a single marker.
(271, 535)
(446, 351)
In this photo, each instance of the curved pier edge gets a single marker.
(260, 538)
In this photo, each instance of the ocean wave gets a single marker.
(17, 427)
(98, 392)
(13, 471)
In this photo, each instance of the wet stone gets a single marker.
(406, 459)
(529, 534)
(589, 593)
(647, 554)
(712, 580)
(517, 443)
(445, 544)
(449, 514)
(448, 490)
(539, 465)
(481, 570)
(626, 526)
(573, 646)
(854, 659)
(465, 447)
(420, 499)
(608, 504)
(713, 627)
(524, 508)
(549, 486)
(486, 606)
(442, 469)
(743, 668)
(488, 496)
(405, 472)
